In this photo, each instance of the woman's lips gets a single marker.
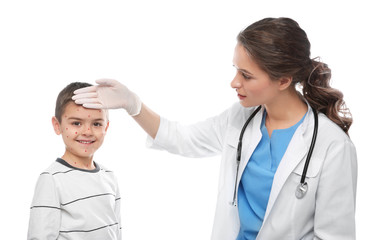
(241, 97)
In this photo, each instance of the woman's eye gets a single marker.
(247, 77)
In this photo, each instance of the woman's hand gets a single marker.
(108, 94)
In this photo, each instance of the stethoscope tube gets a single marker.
(302, 187)
(239, 150)
(312, 146)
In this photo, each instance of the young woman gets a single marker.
(293, 175)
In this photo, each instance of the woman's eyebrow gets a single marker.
(243, 70)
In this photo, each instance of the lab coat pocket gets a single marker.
(313, 168)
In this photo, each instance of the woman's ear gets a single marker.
(56, 125)
(285, 82)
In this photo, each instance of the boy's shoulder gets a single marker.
(55, 168)
(107, 171)
(104, 168)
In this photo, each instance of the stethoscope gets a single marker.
(302, 187)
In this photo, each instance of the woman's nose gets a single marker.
(236, 82)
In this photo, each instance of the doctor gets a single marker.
(260, 195)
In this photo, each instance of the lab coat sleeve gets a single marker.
(336, 194)
(45, 215)
(202, 139)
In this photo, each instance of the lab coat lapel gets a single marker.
(251, 138)
(295, 153)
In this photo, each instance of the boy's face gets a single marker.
(83, 130)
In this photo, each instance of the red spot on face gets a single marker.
(66, 128)
(85, 150)
(76, 132)
(88, 115)
(88, 128)
(100, 110)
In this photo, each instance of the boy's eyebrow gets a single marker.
(99, 119)
(80, 119)
(74, 118)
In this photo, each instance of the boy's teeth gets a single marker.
(85, 141)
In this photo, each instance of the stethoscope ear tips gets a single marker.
(301, 190)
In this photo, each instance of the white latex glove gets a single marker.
(108, 94)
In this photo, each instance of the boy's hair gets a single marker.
(65, 96)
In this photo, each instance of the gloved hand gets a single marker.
(109, 94)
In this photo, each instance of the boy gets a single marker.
(76, 198)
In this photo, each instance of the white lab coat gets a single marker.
(327, 211)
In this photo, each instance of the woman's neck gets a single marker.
(285, 111)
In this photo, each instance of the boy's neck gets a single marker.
(78, 162)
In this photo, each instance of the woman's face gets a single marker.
(253, 86)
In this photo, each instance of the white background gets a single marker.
(177, 56)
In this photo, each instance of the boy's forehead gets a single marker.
(75, 110)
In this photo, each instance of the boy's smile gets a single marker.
(83, 132)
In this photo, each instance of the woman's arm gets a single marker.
(148, 120)
(201, 139)
(336, 194)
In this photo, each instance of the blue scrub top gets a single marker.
(257, 178)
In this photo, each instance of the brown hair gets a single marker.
(281, 48)
(65, 96)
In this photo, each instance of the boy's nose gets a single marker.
(87, 130)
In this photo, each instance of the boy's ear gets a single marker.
(108, 124)
(56, 125)
(285, 82)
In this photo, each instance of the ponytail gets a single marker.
(317, 91)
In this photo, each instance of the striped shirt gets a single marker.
(72, 203)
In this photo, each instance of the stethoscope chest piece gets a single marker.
(301, 190)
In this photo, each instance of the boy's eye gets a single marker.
(97, 124)
(76, 123)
